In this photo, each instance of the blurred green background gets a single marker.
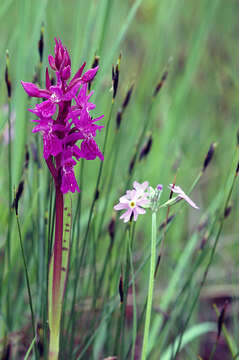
(197, 42)
(199, 103)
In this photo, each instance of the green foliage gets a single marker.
(196, 42)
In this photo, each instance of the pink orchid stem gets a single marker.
(57, 252)
(52, 168)
(58, 267)
(56, 296)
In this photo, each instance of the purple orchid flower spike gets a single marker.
(52, 145)
(68, 176)
(64, 118)
(181, 194)
(54, 95)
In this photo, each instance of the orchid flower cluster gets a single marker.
(61, 122)
(144, 196)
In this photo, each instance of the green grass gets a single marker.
(198, 104)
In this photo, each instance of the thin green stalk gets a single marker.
(104, 27)
(9, 154)
(209, 262)
(106, 203)
(114, 304)
(147, 122)
(151, 288)
(228, 337)
(134, 330)
(28, 283)
(30, 349)
(115, 150)
(177, 274)
(124, 28)
(9, 209)
(119, 344)
(213, 350)
(99, 173)
(88, 223)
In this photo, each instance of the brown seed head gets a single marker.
(209, 156)
(41, 44)
(7, 78)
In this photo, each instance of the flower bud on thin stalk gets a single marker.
(18, 195)
(209, 156)
(41, 44)
(160, 84)
(63, 119)
(7, 78)
(162, 80)
(94, 64)
(146, 123)
(146, 148)
(8, 137)
(220, 323)
(115, 78)
(123, 108)
(27, 157)
(121, 289)
(166, 222)
(111, 229)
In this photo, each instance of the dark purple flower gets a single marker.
(85, 124)
(61, 62)
(69, 103)
(89, 150)
(68, 182)
(52, 145)
(82, 102)
(54, 96)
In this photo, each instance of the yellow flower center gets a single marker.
(132, 204)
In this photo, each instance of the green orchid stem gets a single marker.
(151, 288)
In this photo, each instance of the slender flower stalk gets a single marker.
(63, 119)
(134, 202)
(9, 142)
(151, 287)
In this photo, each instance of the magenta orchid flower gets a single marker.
(68, 102)
(68, 132)
(181, 194)
(52, 145)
